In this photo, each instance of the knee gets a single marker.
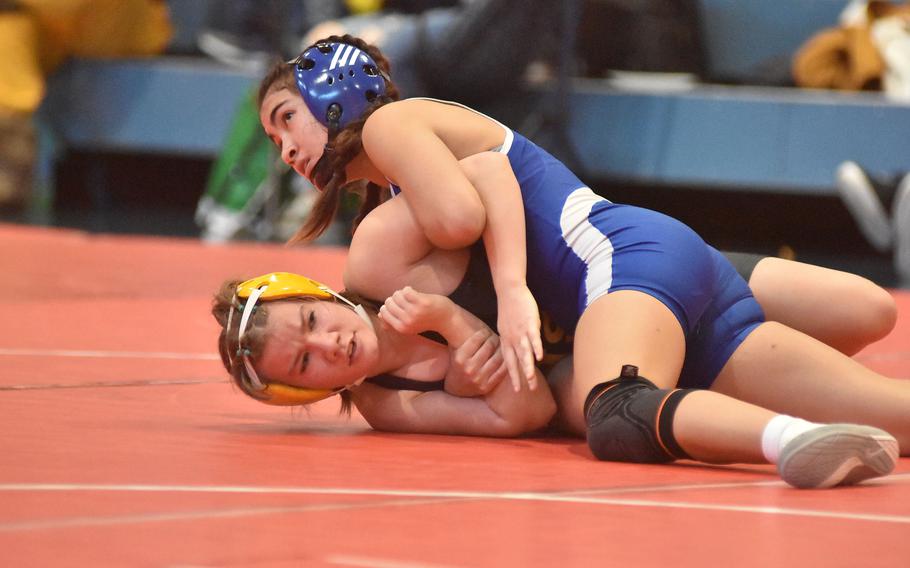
(883, 313)
(629, 419)
(878, 315)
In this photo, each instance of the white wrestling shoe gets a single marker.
(837, 454)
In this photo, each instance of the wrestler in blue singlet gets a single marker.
(581, 246)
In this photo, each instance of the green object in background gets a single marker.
(245, 177)
(244, 162)
(251, 193)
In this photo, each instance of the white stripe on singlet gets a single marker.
(586, 241)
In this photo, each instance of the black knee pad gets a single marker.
(629, 419)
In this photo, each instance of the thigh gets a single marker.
(787, 371)
(840, 309)
(626, 327)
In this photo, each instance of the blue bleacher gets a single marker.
(776, 139)
(764, 139)
(166, 105)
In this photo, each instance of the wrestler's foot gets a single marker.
(837, 454)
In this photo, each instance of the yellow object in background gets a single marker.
(363, 6)
(41, 34)
(21, 76)
(38, 35)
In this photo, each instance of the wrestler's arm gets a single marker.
(501, 413)
(504, 240)
(404, 145)
(411, 312)
(372, 272)
(389, 251)
(476, 364)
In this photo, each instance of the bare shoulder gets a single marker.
(395, 111)
(396, 132)
(390, 121)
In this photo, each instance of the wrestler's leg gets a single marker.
(630, 327)
(789, 372)
(839, 309)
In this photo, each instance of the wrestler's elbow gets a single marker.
(534, 412)
(461, 226)
(535, 419)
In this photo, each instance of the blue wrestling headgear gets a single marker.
(280, 286)
(338, 82)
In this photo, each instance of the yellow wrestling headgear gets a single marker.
(281, 286)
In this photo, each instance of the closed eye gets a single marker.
(303, 362)
(307, 323)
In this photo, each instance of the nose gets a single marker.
(288, 152)
(326, 343)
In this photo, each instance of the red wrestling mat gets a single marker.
(124, 444)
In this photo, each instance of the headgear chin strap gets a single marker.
(280, 286)
(338, 83)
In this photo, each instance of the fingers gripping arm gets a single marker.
(475, 363)
(505, 243)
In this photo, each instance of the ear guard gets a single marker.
(338, 82)
(281, 286)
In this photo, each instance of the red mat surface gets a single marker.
(123, 444)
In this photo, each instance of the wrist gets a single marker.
(442, 311)
(508, 284)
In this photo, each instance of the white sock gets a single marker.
(779, 432)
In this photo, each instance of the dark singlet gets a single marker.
(475, 294)
(388, 381)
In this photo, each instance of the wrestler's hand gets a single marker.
(476, 367)
(410, 312)
(518, 322)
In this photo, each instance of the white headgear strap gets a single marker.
(248, 310)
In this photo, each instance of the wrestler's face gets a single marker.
(317, 345)
(288, 122)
